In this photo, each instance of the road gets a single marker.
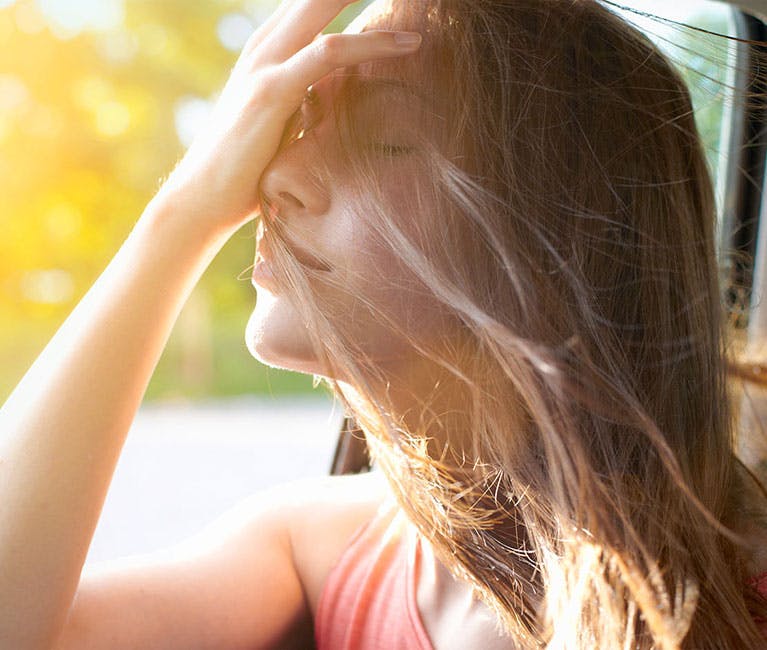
(184, 464)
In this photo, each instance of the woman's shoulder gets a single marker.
(325, 515)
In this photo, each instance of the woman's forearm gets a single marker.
(63, 427)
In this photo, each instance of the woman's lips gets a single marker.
(263, 276)
(302, 256)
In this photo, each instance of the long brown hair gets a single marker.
(590, 495)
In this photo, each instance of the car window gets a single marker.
(690, 34)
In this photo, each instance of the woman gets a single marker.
(489, 226)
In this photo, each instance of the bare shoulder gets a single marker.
(315, 517)
(325, 519)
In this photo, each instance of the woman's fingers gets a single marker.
(298, 27)
(333, 51)
(215, 181)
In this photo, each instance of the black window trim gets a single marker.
(748, 210)
(745, 176)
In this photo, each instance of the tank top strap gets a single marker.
(368, 601)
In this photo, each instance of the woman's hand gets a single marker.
(216, 182)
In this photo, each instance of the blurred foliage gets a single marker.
(91, 120)
(87, 132)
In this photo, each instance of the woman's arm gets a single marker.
(250, 579)
(62, 429)
(65, 424)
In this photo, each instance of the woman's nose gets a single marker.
(289, 184)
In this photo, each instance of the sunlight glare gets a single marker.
(190, 113)
(67, 18)
(47, 286)
(233, 31)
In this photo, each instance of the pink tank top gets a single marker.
(369, 599)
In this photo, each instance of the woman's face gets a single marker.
(317, 214)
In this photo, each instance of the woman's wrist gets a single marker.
(170, 219)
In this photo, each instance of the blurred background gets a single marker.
(98, 101)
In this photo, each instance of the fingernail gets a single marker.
(407, 38)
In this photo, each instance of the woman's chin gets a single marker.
(275, 335)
